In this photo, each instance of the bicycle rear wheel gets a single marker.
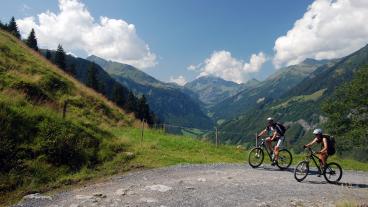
(301, 171)
(332, 172)
(285, 159)
(256, 156)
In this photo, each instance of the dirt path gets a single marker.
(210, 185)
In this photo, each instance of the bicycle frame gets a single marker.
(314, 157)
(263, 145)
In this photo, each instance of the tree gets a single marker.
(32, 40)
(3, 26)
(48, 54)
(347, 112)
(132, 103)
(143, 111)
(60, 57)
(13, 28)
(118, 95)
(92, 81)
(71, 70)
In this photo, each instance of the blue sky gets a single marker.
(183, 33)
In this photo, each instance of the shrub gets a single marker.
(65, 144)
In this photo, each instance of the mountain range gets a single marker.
(173, 104)
(212, 90)
(299, 107)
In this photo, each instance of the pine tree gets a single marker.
(143, 108)
(48, 54)
(2, 26)
(13, 28)
(32, 40)
(92, 81)
(60, 57)
(118, 95)
(132, 104)
(72, 70)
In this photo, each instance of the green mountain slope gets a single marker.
(212, 90)
(347, 117)
(37, 145)
(265, 92)
(80, 67)
(299, 108)
(170, 102)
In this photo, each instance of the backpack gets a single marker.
(281, 129)
(331, 149)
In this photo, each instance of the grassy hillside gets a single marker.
(40, 150)
(38, 146)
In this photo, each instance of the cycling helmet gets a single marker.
(317, 131)
(269, 119)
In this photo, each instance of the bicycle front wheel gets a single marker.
(285, 159)
(301, 171)
(256, 157)
(332, 172)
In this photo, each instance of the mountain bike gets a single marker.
(256, 156)
(332, 171)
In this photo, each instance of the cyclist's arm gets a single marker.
(262, 133)
(324, 146)
(311, 143)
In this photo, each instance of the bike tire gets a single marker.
(285, 159)
(332, 169)
(301, 169)
(258, 154)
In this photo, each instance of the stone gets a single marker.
(37, 196)
(121, 192)
(160, 188)
(202, 179)
(148, 200)
(83, 197)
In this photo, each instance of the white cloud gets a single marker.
(222, 64)
(328, 29)
(179, 80)
(77, 30)
(192, 67)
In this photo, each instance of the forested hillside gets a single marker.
(168, 101)
(265, 92)
(347, 113)
(300, 108)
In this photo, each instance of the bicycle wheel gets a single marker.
(301, 171)
(256, 157)
(332, 172)
(285, 159)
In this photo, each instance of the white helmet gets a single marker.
(317, 131)
(269, 119)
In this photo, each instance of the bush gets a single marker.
(65, 144)
(54, 84)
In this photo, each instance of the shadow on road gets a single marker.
(275, 169)
(342, 184)
(313, 173)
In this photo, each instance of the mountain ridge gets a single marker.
(173, 104)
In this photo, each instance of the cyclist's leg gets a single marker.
(268, 144)
(280, 141)
(323, 158)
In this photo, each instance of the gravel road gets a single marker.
(210, 185)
